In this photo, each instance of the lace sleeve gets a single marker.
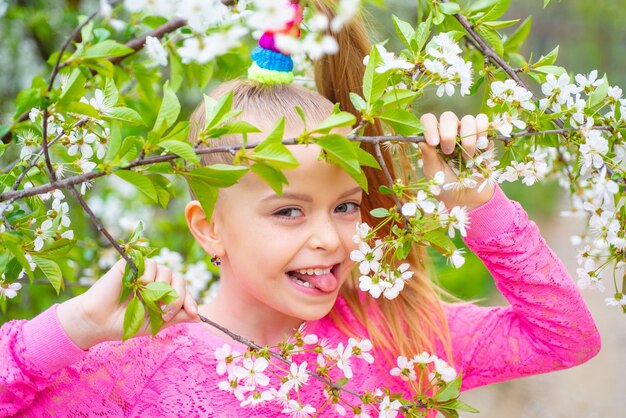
(547, 325)
(43, 373)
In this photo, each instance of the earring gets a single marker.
(215, 260)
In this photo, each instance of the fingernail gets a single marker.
(432, 140)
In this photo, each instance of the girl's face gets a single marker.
(289, 255)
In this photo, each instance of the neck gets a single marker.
(244, 316)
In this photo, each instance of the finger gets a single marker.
(150, 270)
(468, 136)
(190, 306)
(183, 315)
(178, 284)
(448, 130)
(431, 130)
(482, 129)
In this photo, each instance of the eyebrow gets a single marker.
(306, 197)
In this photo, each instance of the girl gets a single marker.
(286, 259)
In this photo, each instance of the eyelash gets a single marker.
(289, 218)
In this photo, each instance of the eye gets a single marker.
(348, 207)
(288, 213)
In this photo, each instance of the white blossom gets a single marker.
(271, 15)
(296, 410)
(9, 290)
(405, 369)
(155, 50)
(389, 61)
(456, 258)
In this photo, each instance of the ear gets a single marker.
(205, 231)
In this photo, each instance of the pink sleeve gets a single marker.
(43, 373)
(32, 352)
(547, 325)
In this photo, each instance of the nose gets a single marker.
(324, 235)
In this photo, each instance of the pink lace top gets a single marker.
(546, 327)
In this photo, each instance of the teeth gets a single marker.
(301, 282)
(317, 272)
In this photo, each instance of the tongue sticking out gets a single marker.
(324, 282)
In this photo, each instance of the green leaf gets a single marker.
(161, 184)
(423, 33)
(180, 148)
(551, 69)
(155, 291)
(272, 176)
(13, 244)
(496, 11)
(133, 318)
(406, 33)
(205, 192)
(365, 158)
(402, 121)
(518, 37)
(478, 5)
(357, 101)
(339, 147)
(500, 24)
(215, 110)
(82, 109)
(449, 8)
(125, 114)
(169, 111)
(51, 270)
(140, 181)
(450, 391)
(548, 59)
(106, 49)
(239, 127)
(373, 83)
(461, 406)
(115, 140)
(336, 120)
(111, 95)
(273, 151)
(176, 71)
(379, 213)
(492, 37)
(218, 175)
(58, 248)
(338, 150)
(600, 93)
(74, 87)
(399, 98)
(440, 241)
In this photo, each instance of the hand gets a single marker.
(444, 133)
(96, 315)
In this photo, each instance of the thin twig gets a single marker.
(96, 222)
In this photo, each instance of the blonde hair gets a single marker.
(413, 322)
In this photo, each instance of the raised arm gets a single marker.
(547, 325)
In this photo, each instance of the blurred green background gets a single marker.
(591, 35)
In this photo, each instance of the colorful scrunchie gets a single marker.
(269, 64)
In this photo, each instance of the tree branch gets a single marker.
(75, 180)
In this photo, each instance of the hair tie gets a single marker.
(269, 64)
